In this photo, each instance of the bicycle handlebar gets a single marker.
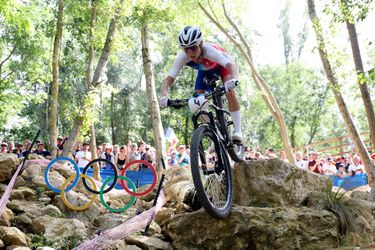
(179, 103)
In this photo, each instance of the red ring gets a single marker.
(152, 185)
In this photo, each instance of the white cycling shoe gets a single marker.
(237, 136)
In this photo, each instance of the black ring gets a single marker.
(114, 180)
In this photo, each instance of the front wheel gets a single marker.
(211, 171)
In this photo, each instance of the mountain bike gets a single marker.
(209, 148)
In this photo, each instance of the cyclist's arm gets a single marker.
(233, 69)
(180, 61)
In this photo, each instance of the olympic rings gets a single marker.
(93, 189)
(65, 200)
(118, 210)
(50, 165)
(115, 177)
(153, 172)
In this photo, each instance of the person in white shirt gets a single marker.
(300, 163)
(83, 157)
(356, 166)
(329, 168)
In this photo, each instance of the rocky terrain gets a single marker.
(277, 206)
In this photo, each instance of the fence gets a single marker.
(336, 146)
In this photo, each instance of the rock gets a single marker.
(32, 171)
(273, 183)
(6, 218)
(255, 228)
(12, 236)
(20, 182)
(147, 243)
(1, 244)
(22, 219)
(8, 166)
(57, 228)
(78, 199)
(23, 193)
(44, 248)
(154, 228)
(32, 209)
(117, 245)
(108, 221)
(51, 210)
(17, 248)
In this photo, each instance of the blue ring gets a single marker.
(50, 165)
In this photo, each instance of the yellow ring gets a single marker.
(66, 202)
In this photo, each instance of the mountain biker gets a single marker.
(208, 59)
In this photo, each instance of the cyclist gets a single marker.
(208, 59)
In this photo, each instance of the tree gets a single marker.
(267, 95)
(346, 11)
(55, 81)
(353, 132)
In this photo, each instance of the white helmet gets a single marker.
(190, 36)
(198, 103)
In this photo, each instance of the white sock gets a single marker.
(236, 117)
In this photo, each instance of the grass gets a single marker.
(351, 214)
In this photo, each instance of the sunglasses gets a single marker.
(191, 49)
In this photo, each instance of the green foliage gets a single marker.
(39, 241)
(348, 10)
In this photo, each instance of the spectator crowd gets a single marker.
(178, 156)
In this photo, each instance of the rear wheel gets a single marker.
(211, 171)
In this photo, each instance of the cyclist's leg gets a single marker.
(233, 105)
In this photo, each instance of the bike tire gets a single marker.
(222, 173)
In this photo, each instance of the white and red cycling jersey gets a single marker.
(214, 57)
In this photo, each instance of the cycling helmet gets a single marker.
(190, 36)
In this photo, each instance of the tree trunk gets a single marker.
(69, 144)
(55, 82)
(353, 133)
(153, 104)
(362, 82)
(261, 84)
(113, 120)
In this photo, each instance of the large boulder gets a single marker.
(57, 228)
(8, 166)
(148, 243)
(12, 236)
(23, 193)
(273, 183)
(255, 228)
(6, 218)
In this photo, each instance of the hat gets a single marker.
(373, 156)
(147, 146)
(41, 144)
(181, 146)
(4, 144)
(59, 138)
(108, 146)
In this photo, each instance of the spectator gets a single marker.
(18, 151)
(83, 157)
(300, 162)
(248, 153)
(3, 148)
(182, 157)
(329, 168)
(314, 164)
(61, 142)
(133, 153)
(258, 155)
(41, 151)
(11, 147)
(270, 154)
(108, 155)
(120, 158)
(147, 156)
(99, 151)
(172, 162)
(283, 156)
(373, 158)
(116, 149)
(77, 148)
(356, 166)
(341, 171)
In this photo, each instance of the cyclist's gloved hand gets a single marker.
(163, 101)
(231, 84)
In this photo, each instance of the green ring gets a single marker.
(117, 210)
